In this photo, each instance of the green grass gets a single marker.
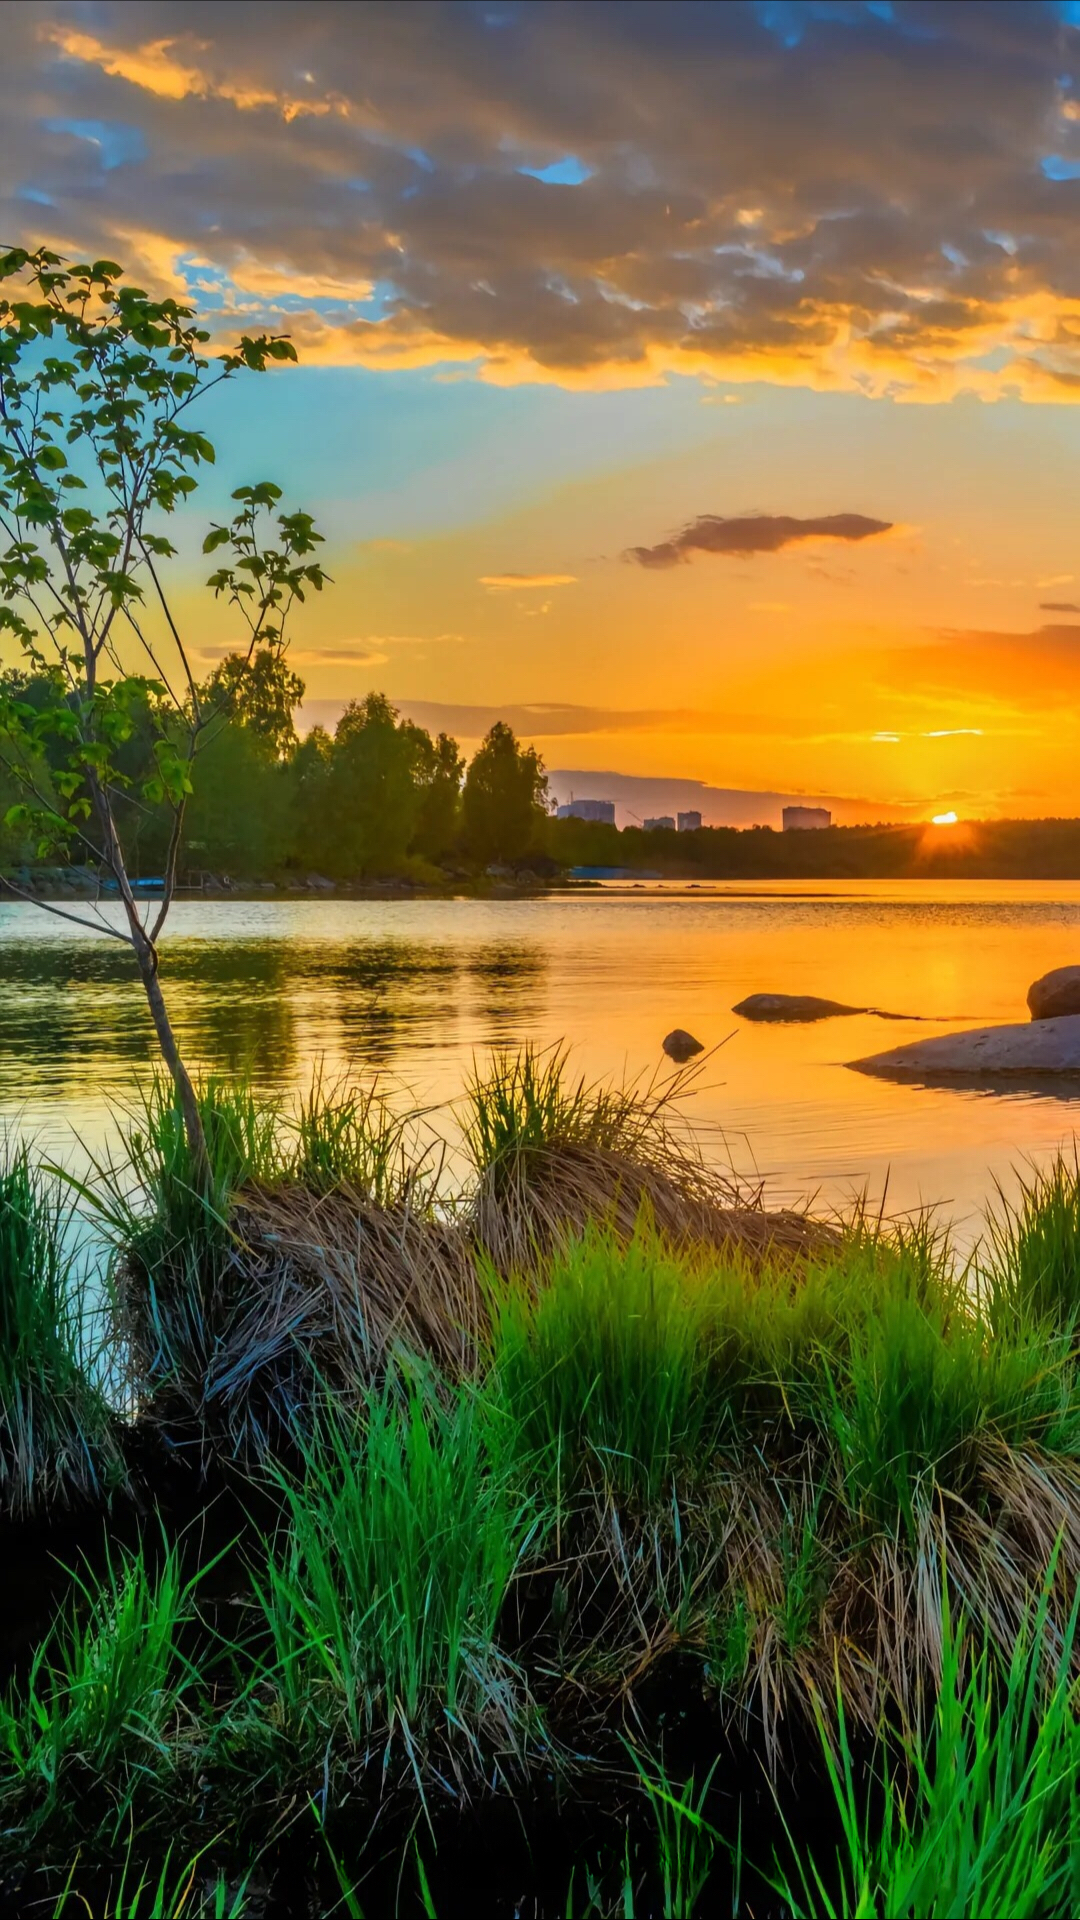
(604, 1370)
(156, 1203)
(57, 1441)
(980, 1816)
(1032, 1274)
(104, 1717)
(351, 1136)
(177, 1887)
(636, 1362)
(685, 1841)
(530, 1100)
(384, 1591)
(663, 1481)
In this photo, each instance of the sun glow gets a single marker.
(944, 819)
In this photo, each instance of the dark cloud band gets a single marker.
(746, 534)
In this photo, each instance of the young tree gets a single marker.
(96, 383)
(503, 798)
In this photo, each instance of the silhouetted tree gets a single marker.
(503, 796)
(440, 767)
(373, 793)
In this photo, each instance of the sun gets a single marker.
(944, 819)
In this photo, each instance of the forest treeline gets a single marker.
(381, 797)
(984, 849)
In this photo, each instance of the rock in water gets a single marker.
(792, 1006)
(1036, 1047)
(681, 1046)
(1056, 993)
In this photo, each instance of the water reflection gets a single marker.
(72, 1016)
(417, 989)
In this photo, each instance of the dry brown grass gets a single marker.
(865, 1632)
(389, 1278)
(532, 1200)
(554, 1155)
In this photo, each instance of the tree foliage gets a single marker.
(98, 449)
(505, 788)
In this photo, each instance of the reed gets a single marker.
(383, 1594)
(102, 1720)
(976, 1816)
(58, 1443)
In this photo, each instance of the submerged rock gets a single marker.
(792, 1006)
(1055, 993)
(681, 1046)
(1035, 1047)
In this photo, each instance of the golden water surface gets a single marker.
(416, 989)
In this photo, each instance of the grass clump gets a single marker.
(976, 1816)
(1032, 1276)
(312, 1254)
(103, 1718)
(605, 1369)
(911, 1389)
(58, 1444)
(553, 1153)
(384, 1592)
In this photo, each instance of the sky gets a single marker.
(693, 385)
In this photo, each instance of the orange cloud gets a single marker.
(499, 582)
(157, 68)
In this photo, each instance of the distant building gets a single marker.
(662, 820)
(805, 819)
(688, 822)
(589, 810)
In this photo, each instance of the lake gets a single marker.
(415, 989)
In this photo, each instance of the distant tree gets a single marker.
(95, 448)
(439, 769)
(502, 802)
(261, 692)
(238, 816)
(373, 793)
(308, 787)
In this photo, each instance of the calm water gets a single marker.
(416, 989)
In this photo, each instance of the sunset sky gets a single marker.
(694, 385)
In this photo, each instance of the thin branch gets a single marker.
(160, 591)
(152, 657)
(100, 926)
(170, 872)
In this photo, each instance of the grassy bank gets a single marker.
(587, 1540)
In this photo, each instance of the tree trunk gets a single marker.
(147, 960)
(146, 956)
